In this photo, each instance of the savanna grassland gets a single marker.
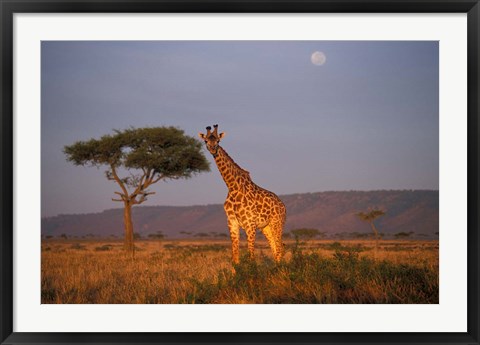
(200, 271)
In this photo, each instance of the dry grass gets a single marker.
(187, 271)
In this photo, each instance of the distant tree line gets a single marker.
(303, 234)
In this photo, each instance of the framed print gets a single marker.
(254, 172)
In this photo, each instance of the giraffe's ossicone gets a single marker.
(247, 206)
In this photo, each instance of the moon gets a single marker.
(318, 58)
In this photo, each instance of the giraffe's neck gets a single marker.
(229, 170)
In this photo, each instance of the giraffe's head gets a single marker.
(212, 139)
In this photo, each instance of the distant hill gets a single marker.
(332, 212)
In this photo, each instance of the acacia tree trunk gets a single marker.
(127, 219)
(376, 238)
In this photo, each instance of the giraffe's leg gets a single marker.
(251, 241)
(277, 229)
(272, 241)
(234, 228)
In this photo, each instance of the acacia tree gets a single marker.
(145, 156)
(369, 217)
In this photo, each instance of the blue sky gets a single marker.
(366, 119)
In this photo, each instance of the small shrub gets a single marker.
(78, 246)
(104, 248)
(348, 257)
(334, 246)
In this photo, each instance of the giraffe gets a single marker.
(247, 205)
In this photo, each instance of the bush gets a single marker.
(307, 233)
(78, 246)
(104, 248)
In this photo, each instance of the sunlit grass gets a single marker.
(201, 272)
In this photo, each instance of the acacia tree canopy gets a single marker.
(158, 152)
(371, 215)
(165, 152)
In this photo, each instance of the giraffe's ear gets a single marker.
(202, 136)
(221, 135)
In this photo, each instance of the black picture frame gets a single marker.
(8, 8)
